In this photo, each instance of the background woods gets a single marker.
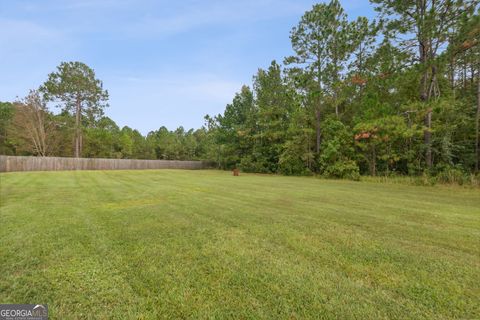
(396, 95)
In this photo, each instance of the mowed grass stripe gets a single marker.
(163, 244)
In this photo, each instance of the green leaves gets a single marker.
(77, 91)
(349, 100)
(75, 82)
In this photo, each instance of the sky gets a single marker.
(163, 62)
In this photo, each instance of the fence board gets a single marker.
(21, 163)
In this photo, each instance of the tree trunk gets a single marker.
(427, 121)
(318, 130)
(335, 95)
(373, 164)
(78, 150)
(427, 138)
(477, 125)
(424, 97)
(452, 75)
(317, 111)
(80, 138)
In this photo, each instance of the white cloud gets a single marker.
(207, 14)
(203, 86)
(171, 82)
(23, 33)
(28, 51)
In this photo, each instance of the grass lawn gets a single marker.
(205, 244)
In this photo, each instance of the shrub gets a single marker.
(474, 179)
(247, 164)
(347, 169)
(452, 175)
(293, 166)
(252, 164)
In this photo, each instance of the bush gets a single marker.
(292, 166)
(452, 175)
(474, 179)
(247, 164)
(347, 169)
(251, 164)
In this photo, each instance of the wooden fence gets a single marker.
(14, 163)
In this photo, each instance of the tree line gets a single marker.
(81, 129)
(28, 128)
(398, 94)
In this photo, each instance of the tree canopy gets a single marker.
(395, 95)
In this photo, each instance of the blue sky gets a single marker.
(163, 62)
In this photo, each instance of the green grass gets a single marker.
(205, 244)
